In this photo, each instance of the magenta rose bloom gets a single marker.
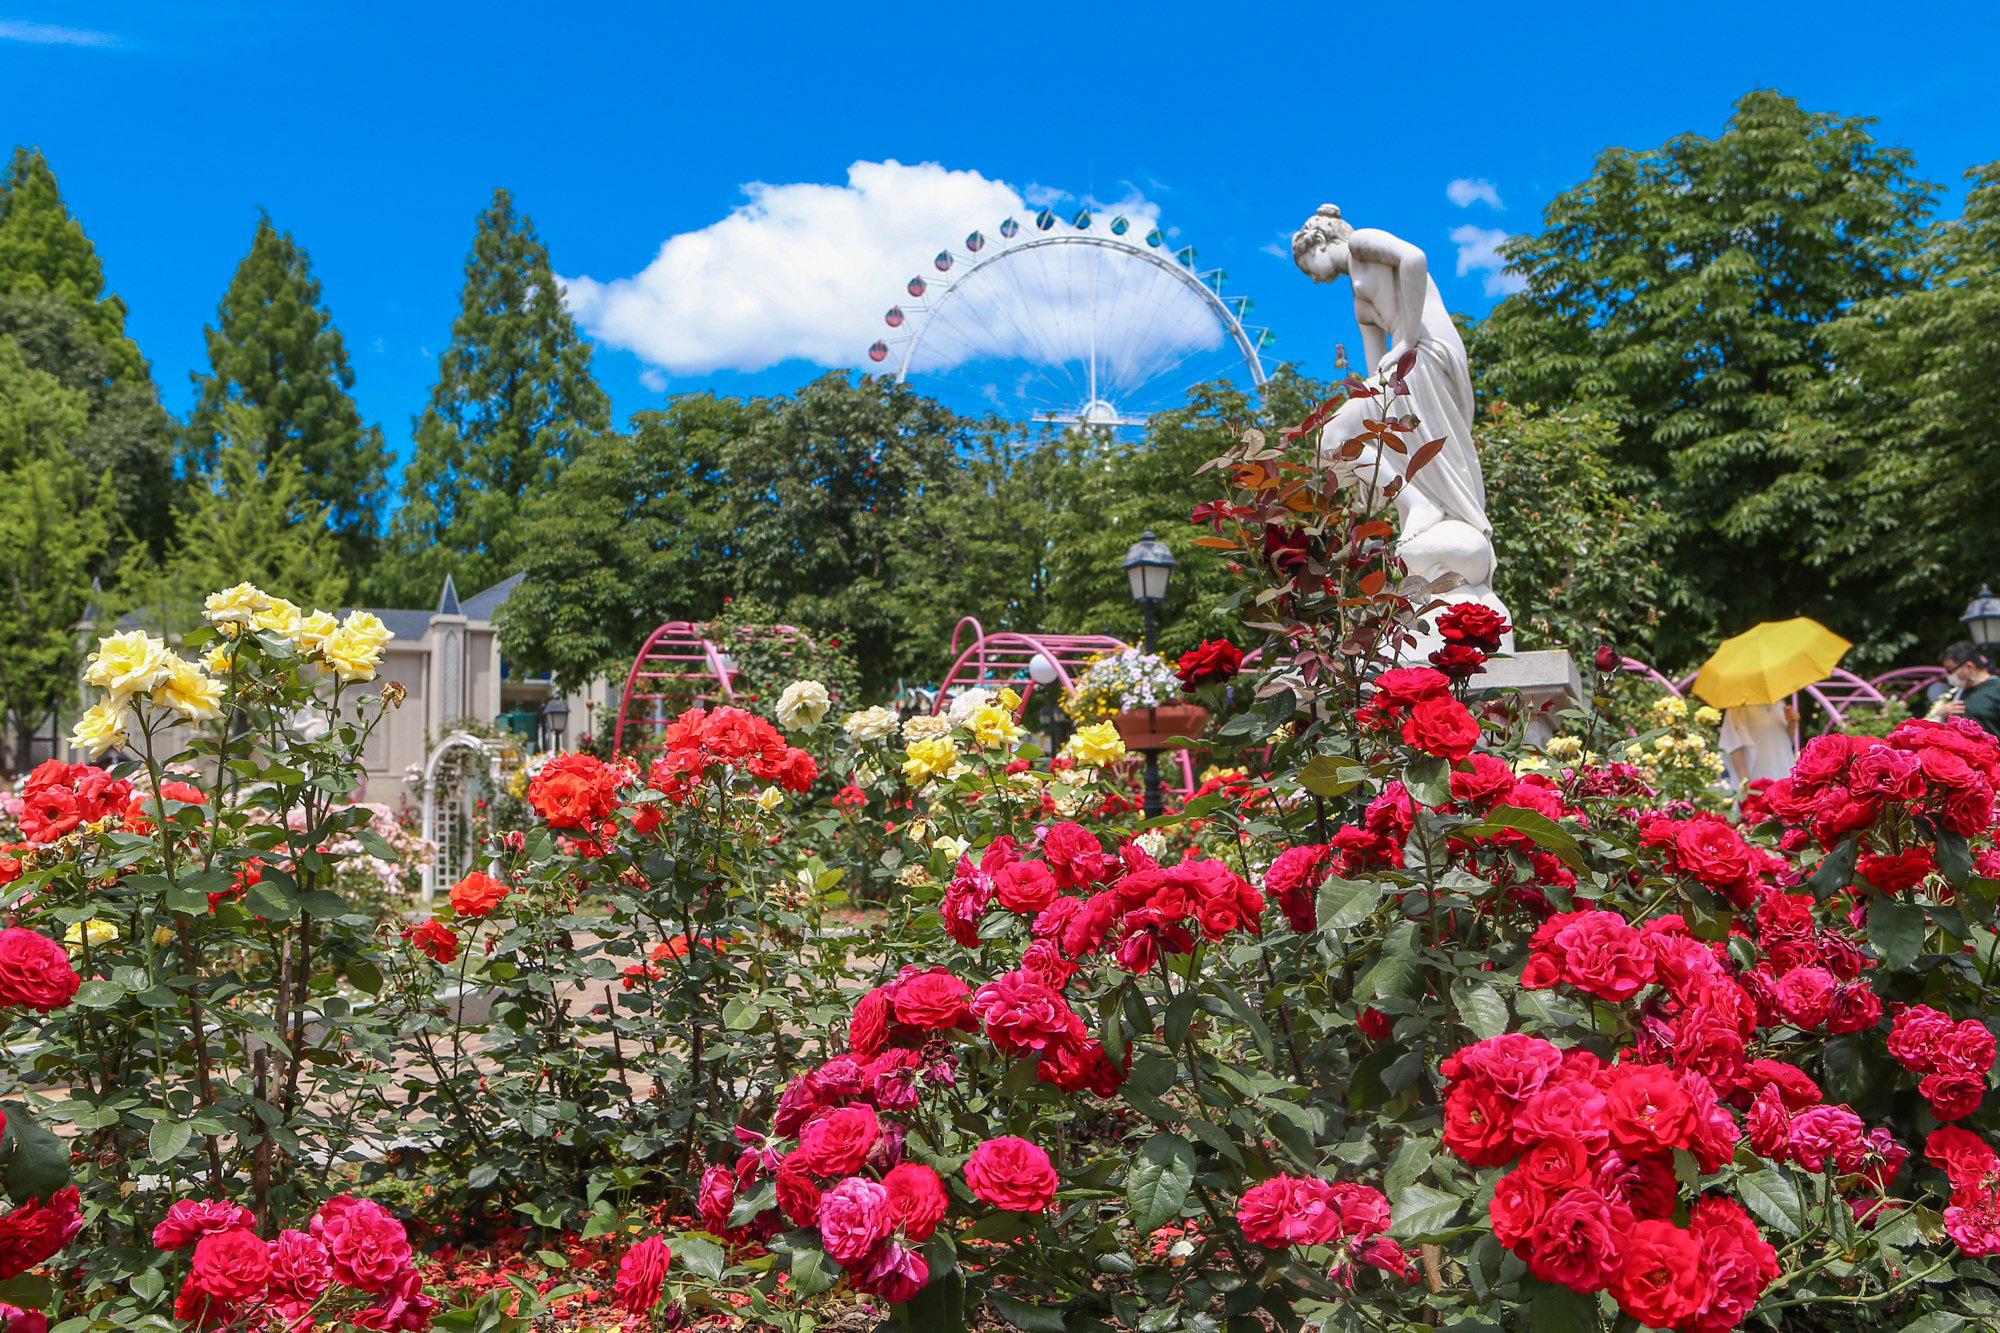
(640, 1274)
(854, 1217)
(1013, 1174)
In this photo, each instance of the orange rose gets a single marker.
(477, 894)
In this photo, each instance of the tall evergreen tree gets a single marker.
(514, 402)
(43, 250)
(274, 348)
(54, 309)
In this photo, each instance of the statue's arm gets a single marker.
(1411, 272)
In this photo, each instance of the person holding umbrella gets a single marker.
(1752, 677)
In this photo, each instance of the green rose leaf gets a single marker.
(1157, 1184)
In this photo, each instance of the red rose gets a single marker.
(1083, 1067)
(1804, 996)
(1025, 887)
(573, 791)
(1608, 659)
(1579, 1241)
(1441, 726)
(1715, 854)
(1914, 1037)
(435, 939)
(1883, 774)
(917, 1199)
(1966, 1049)
(837, 1142)
(1022, 1016)
(35, 971)
(1595, 951)
(1074, 854)
(1953, 1096)
(1478, 1124)
(1737, 1263)
(715, 1199)
(733, 736)
(1213, 660)
(935, 1001)
(1474, 625)
(1658, 1284)
(797, 771)
(1459, 661)
(37, 1231)
(190, 1219)
(477, 894)
(868, 1029)
(1557, 1164)
(854, 1217)
(301, 1269)
(641, 1272)
(369, 1248)
(894, 1272)
(1648, 1111)
(49, 812)
(1013, 1174)
(1403, 687)
(232, 1266)
(797, 1194)
(1571, 1109)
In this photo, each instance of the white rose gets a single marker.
(803, 704)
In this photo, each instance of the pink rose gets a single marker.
(1013, 1174)
(854, 1217)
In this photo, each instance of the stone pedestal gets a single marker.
(1544, 682)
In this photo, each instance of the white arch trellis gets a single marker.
(449, 783)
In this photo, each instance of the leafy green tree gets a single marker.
(637, 530)
(1578, 563)
(274, 348)
(56, 526)
(514, 404)
(1911, 406)
(1685, 293)
(819, 491)
(251, 518)
(54, 309)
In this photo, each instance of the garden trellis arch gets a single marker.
(452, 776)
(678, 666)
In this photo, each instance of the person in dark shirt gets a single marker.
(1979, 688)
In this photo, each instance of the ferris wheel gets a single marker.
(1081, 321)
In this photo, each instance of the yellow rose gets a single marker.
(189, 691)
(925, 727)
(92, 933)
(1007, 699)
(240, 605)
(218, 659)
(930, 759)
(101, 727)
(280, 616)
(127, 664)
(952, 847)
(314, 630)
(770, 798)
(350, 655)
(1563, 748)
(1707, 716)
(992, 725)
(367, 627)
(1097, 744)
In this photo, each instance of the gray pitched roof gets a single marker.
(486, 605)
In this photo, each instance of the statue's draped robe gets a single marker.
(1440, 386)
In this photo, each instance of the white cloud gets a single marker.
(1479, 252)
(1467, 191)
(48, 34)
(807, 270)
(1044, 196)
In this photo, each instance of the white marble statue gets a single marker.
(1441, 512)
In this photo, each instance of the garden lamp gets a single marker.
(1982, 617)
(556, 713)
(1149, 567)
(1041, 670)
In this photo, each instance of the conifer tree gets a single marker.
(54, 310)
(514, 402)
(274, 348)
(251, 517)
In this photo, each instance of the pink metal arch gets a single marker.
(1841, 691)
(997, 661)
(679, 650)
(1908, 683)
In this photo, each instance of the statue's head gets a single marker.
(1320, 247)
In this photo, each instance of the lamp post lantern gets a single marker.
(1149, 568)
(556, 713)
(1982, 617)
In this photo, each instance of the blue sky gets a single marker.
(375, 133)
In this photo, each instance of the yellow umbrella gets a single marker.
(1769, 662)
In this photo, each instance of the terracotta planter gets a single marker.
(1155, 728)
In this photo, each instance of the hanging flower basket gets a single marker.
(1155, 728)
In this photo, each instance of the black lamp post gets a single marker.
(1982, 618)
(556, 713)
(1149, 568)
